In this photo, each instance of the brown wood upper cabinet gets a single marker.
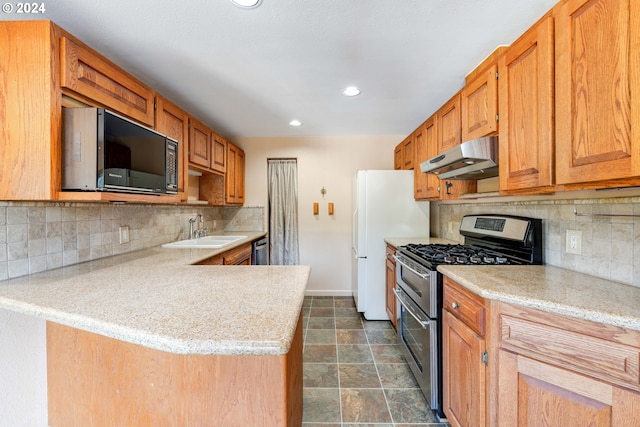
(200, 153)
(449, 124)
(218, 153)
(449, 134)
(526, 112)
(597, 91)
(426, 185)
(87, 73)
(403, 154)
(479, 105)
(234, 185)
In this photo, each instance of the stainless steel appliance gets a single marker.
(488, 240)
(103, 151)
(474, 159)
(259, 252)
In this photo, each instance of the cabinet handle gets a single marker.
(455, 305)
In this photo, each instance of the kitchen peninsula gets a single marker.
(147, 338)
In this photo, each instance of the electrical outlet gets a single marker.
(574, 242)
(124, 234)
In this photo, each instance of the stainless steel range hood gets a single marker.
(474, 159)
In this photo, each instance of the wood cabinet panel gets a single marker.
(526, 111)
(199, 144)
(407, 153)
(596, 357)
(397, 157)
(464, 386)
(534, 393)
(597, 82)
(98, 381)
(479, 105)
(426, 185)
(468, 307)
(30, 112)
(390, 267)
(234, 180)
(218, 153)
(449, 124)
(172, 121)
(89, 74)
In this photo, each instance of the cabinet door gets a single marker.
(479, 104)
(89, 74)
(526, 111)
(597, 87)
(219, 153)
(234, 178)
(174, 122)
(199, 144)
(463, 374)
(532, 393)
(407, 153)
(390, 285)
(397, 157)
(426, 185)
(449, 124)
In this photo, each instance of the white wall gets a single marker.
(329, 162)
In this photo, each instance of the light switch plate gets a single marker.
(124, 235)
(574, 242)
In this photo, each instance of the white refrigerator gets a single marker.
(382, 206)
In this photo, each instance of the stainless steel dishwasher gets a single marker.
(259, 252)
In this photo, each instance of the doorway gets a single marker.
(283, 211)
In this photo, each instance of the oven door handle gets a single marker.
(413, 270)
(411, 309)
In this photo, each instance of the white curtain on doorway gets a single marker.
(283, 212)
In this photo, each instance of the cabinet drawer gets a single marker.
(597, 357)
(465, 306)
(90, 75)
(239, 255)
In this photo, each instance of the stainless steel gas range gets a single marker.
(488, 240)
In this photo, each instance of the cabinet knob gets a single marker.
(455, 305)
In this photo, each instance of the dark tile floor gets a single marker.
(354, 372)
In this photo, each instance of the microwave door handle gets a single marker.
(424, 324)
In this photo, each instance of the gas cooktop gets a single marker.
(459, 254)
(488, 240)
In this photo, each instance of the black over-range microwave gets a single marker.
(103, 151)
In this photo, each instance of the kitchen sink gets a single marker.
(204, 242)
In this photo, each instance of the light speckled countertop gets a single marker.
(156, 298)
(553, 290)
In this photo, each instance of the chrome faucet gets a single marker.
(194, 233)
(201, 231)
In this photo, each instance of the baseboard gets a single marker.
(328, 293)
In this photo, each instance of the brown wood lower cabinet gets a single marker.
(240, 255)
(464, 371)
(533, 393)
(559, 371)
(543, 369)
(390, 266)
(103, 382)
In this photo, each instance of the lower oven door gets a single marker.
(418, 337)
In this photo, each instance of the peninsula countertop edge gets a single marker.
(157, 298)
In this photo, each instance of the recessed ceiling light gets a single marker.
(247, 4)
(295, 123)
(351, 91)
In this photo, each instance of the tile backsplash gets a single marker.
(610, 232)
(41, 236)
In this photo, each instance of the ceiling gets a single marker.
(248, 72)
